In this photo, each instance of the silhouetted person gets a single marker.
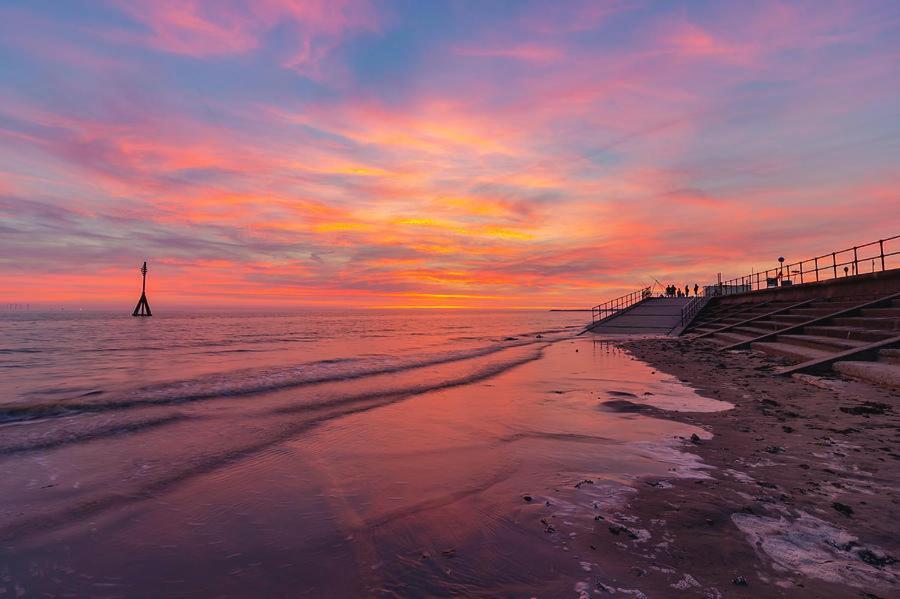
(687, 291)
(696, 289)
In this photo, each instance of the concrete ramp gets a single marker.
(652, 316)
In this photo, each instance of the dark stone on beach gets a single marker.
(844, 509)
(867, 408)
(787, 429)
(514, 339)
(695, 438)
(586, 481)
(548, 527)
(618, 528)
(449, 552)
(879, 561)
(623, 405)
(621, 393)
(539, 336)
(598, 517)
(638, 571)
(527, 497)
(739, 581)
(845, 431)
(774, 449)
(804, 466)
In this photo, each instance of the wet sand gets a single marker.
(803, 497)
(478, 478)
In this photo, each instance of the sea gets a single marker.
(75, 358)
(395, 453)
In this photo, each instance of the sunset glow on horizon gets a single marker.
(281, 153)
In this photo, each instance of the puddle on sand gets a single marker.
(630, 380)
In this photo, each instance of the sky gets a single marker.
(483, 154)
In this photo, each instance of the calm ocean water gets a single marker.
(70, 359)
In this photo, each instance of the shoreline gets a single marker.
(802, 495)
(569, 471)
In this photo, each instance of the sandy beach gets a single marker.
(803, 494)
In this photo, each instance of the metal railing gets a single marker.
(692, 308)
(618, 304)
(860, 259)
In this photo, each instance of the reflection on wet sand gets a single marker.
(409, 484)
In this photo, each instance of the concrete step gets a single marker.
(701, 330)
(814, 312)
(750, 331)
(795, 353)
(768, 325)
(716, 315)
(734, 320)
(880, 373)
(889, 356)
(848, 333)
(881, 312)
(834, 306)
(868, 322)
(721, 317)
(791, 318)
(718, 325)
(730, 337)
(832, 344)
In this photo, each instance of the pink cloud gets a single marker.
(534, 53)
(203, 28)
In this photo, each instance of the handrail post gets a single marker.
(855, 262)
(881, 246)
(816, 263)
(801, 272)
(834, 261)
